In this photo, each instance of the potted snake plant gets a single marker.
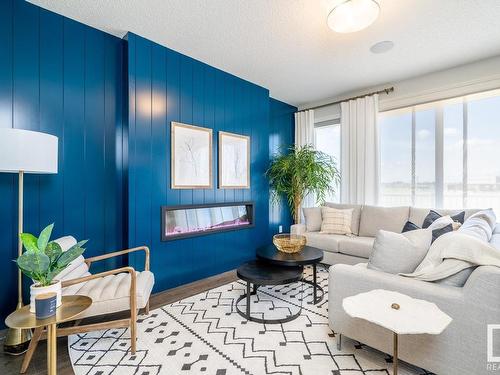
(43, 260)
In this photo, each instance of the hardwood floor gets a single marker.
(12, 364)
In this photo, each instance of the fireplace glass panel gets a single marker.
(181, 222)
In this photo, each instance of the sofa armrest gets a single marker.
(485, 282)
(298, 229)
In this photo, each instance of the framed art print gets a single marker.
(234, 161)
(191, 156)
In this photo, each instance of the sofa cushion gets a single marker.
(323, 241)
(375, 218)
(312, 216)
(399, 252)
(356, 214)
(112, 293)
(336, 221)
(357, 246)
(417, 215)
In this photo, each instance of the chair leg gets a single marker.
(339, 341)
(31, 349)
(147, 308)
(133, 330)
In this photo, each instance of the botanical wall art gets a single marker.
(191, 157)
(234, 161)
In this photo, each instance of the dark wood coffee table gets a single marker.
(307, 256)
(259, 273)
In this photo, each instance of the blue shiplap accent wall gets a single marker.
(281, 135)
(166, 86)
(64, 78)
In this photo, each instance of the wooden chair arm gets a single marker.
(121, 252)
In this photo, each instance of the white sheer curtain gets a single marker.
(359, 148)
(304, 135)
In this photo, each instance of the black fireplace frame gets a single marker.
(250, 210)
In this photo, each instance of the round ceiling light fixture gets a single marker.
(382, 47)
(353, 15)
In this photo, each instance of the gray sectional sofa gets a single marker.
(462, 348)
(366, 222)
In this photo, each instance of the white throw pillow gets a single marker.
(441, 222)
(399, 252)
(312, 216)
(336, 221)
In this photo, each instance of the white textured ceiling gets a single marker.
(286, 46)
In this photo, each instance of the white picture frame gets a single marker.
(191, 157)
(234, 161)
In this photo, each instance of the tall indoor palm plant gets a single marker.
(298, 171)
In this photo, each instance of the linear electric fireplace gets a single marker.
(197, 220)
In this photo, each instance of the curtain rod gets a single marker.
(384, 91)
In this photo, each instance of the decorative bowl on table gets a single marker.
(289, 243)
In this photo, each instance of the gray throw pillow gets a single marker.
(312, 215)
(399, 252)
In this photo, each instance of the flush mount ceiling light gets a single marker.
(353, 15)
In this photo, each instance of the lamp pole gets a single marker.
(17, 340)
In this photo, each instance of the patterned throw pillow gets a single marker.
(336, 221)
(433, 216)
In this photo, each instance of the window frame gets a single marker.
(439, 106)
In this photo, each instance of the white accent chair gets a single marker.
(111, 291)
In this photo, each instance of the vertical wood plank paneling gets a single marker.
(159, 146)
(219, 125)
(209, 121)
(49, 83)
(94, 140)
(197, 114)
(26, 104)
(52, 115)
(131, 137)
(186, 108)
(8, 194)
(201, 95)
(73, 141)
(143, 170)
(173, 110)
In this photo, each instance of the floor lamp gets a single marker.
(24, 151)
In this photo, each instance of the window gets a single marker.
(327, 140)
(442, 154)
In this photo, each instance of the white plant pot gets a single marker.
(35, 290)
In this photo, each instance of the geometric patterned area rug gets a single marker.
(204, 334)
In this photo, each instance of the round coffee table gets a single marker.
(258, 274)
(307, 256)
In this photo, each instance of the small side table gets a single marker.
(71, 307)
(401, 314)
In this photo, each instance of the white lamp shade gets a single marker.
(27, 151)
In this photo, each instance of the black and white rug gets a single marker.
(204, 334)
